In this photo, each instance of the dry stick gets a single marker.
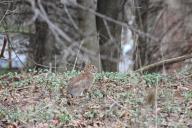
(156, 115)
(70, 18)
(11, 46)
(3, 48)
(4, 16)
(77, 55)
(108, 30)
(168, 61)
(116, 102)
(55, 63)
(10, 56)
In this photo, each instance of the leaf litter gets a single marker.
(115, 101)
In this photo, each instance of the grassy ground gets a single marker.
(116, 100)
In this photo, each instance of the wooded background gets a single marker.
(65, 33)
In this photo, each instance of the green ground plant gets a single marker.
(35, 98)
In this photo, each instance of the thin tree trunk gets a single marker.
(38, 42)
(87, 24)
(109, 47)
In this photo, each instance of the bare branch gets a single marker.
(164, 62)
(118, 22)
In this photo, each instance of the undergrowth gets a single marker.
(39, 99)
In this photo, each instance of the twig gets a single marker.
(164, 62)
(117, 103)
(78, 54)
(117, 22)
(108, 30)
(3, 48)
(70, 18)
(11, 46)
(55, 29)
(3, 16)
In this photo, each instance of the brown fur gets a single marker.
(77, 85)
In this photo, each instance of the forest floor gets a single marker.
(116, 100)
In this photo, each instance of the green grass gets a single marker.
(39, 98)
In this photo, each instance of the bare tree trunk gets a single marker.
(87, 24)
(141, 18)
(109, 47)
(38, 42)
